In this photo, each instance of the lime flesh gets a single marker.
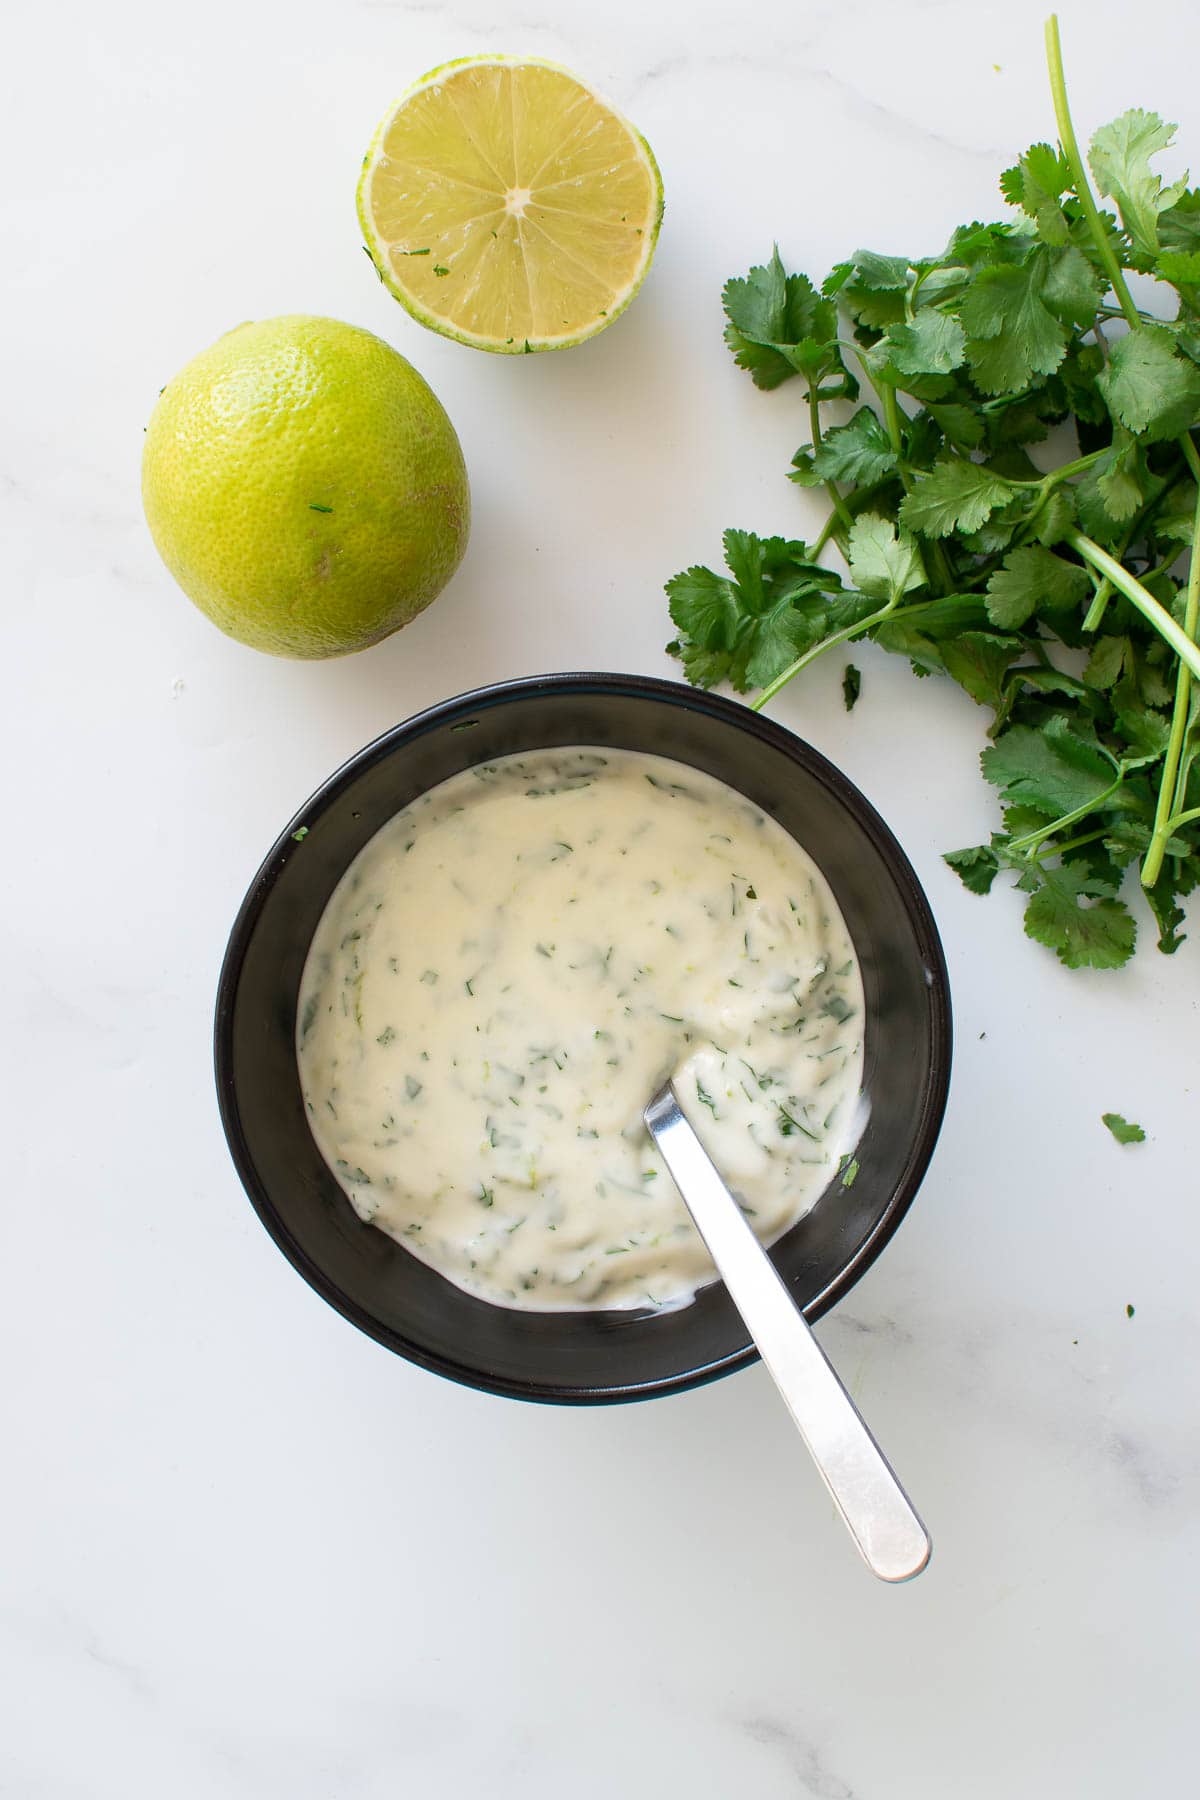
(507, 206)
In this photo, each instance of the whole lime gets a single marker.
(304, 486)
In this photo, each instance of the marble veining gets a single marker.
(804, 1760)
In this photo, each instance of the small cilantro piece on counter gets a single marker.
(299, 835)
(1124, 1130)
(1015, 505)
(1128, 1310)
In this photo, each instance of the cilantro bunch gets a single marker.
(1062, 589)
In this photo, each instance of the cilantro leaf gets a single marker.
(1120, 157)
(979, 246)
(1149, 387)
(1020, 820)
(1055, 518)
(921, 632)
(1177, 515)
(1179, 260)
(961, 425)
(1146, 729)
(1168, 914)
(1124, 1130)
(921, 438)
(777, 640)
(976, 868)
(1181, 268)
(866, 269)
(933, 344)
(1113, 489)
(1035, 185)
(872, 288)
(884, 564)
(1072, 290)
(1048, 767)
(851, 686)
(1104, 663)
(756, 564)
(1011, 333)
(705, 606)
(1179, 225)
(978, 661)
(859, 451)
(1076, 914)
(1119, 483)
(1077, 373)
(747, 626)
(1030, 578)
(956, 495)
(703, 668)
(1051, 681)
(779, 325)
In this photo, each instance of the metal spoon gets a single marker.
(881, 1520)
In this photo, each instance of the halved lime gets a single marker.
(507, 206)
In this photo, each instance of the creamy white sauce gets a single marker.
(508, 972)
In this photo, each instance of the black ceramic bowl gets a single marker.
(580, 1357)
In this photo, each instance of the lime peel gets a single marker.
(304, 486)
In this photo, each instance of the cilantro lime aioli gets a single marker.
(511, 968)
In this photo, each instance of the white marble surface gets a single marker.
(248, 1555)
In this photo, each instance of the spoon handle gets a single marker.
(878, 1513)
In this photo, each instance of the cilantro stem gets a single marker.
(891, 418)
(1104, 589)
(1083, 191)
(1034, 838)
(1184, 818)
(1051, 480)
(1075, 843)
(829, 643)
(1137, 595)
(1168, 794)
(1094, 617)
(941, 563)
(827, 531)
(885, 393)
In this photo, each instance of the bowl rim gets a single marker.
(454, 710)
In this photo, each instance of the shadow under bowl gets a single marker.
(578, 1357)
